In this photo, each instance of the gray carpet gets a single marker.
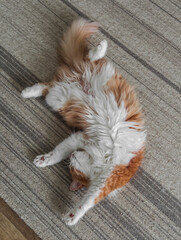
(144, 39)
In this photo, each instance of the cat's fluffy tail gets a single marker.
(74, 46)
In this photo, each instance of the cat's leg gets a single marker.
(88, 202)
(38, 89)
(98, 52)
(109, 178)
(91, 198)
(61, 151)
(34, 91)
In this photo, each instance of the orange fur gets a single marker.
(121, 175)
(73, 53)
(45, 92)
(98, 64)
(74, 114)
(124, 92)
(49, 85)
(73, 47)
(80, 177)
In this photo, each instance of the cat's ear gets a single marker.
(75, 185)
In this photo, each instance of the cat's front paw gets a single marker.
(43, 160)
(70, 219)
(34, 91)
(74, 216)
(26, 93)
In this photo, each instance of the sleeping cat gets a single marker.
(90, 94)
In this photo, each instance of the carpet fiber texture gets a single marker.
(144, 38)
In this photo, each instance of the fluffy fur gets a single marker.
(91, 95)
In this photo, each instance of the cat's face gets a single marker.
(79, 179)
(78, 165)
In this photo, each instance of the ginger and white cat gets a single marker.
(91, 95)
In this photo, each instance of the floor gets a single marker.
(12, 227)
(144, 43)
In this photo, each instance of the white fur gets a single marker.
(98, 80)
(81, 209)
(82, 161)
(93, 170)
(98, 52)
(112, 140)
(62, 151)
(34, 91)
(61, 92)
(96, 184)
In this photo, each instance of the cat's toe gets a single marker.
(69, 219)
(40, 161)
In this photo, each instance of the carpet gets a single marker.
(145, 45)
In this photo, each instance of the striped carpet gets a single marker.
(144, 39)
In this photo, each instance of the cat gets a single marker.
(91, 95)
